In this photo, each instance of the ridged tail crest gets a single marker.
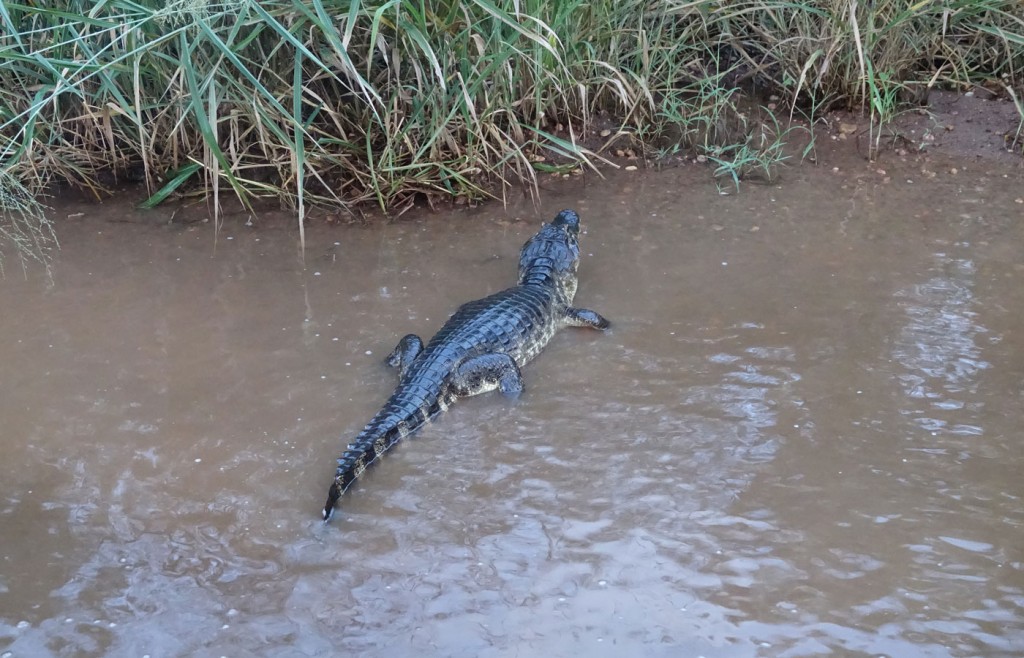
(371, 443)
(386, 429)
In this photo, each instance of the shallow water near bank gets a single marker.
(801, 437)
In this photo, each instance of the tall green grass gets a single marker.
(342, 102)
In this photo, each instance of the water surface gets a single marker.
(801, 437)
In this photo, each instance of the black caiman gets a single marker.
(480, 348)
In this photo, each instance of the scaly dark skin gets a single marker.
(482, 347)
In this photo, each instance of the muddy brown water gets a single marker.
(802, 436)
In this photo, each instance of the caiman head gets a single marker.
(551, 257)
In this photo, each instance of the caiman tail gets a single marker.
(399, 417)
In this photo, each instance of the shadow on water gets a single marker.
(798, 439)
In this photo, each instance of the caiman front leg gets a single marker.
(487, 372)
(405, 353)
(584, 317)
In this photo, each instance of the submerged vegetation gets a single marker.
(342, 102)
(23, 224)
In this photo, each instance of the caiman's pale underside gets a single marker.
(479, 349)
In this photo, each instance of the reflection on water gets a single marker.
(938, 347)
(797, 440)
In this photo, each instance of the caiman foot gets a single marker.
(488, 372)
(584, 317)
(405, 353)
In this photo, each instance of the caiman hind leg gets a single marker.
(405, 353)
(584, 317)
(487, 372)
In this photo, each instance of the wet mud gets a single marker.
(801, 437)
